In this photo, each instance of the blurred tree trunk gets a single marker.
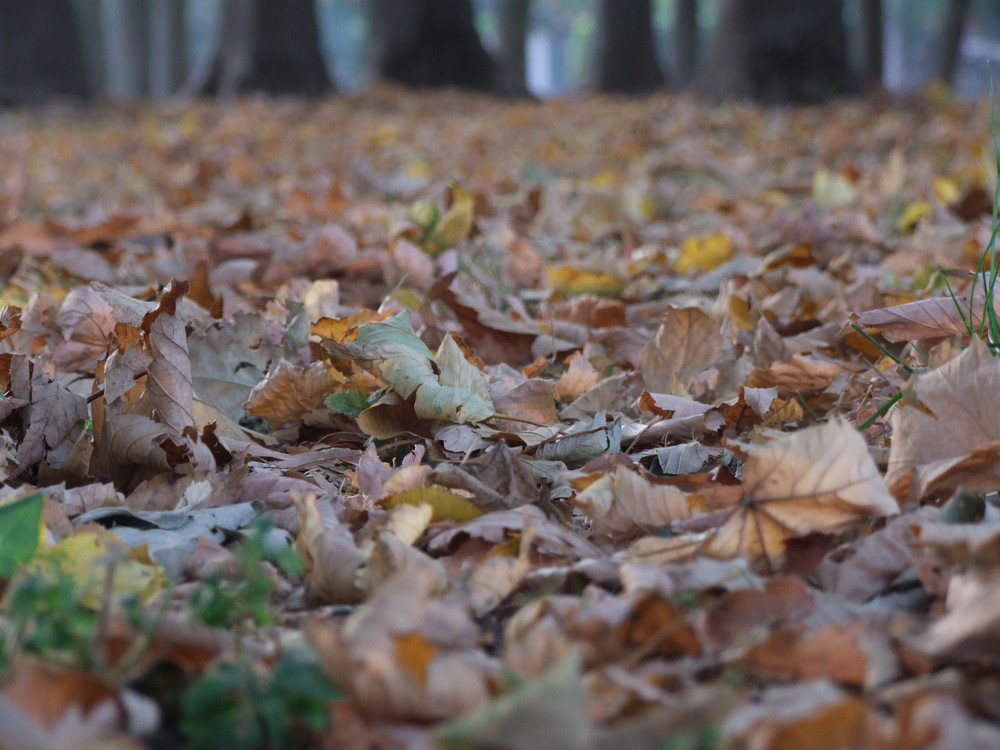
(41, 54)
(428, 44)
(952, 26)
(88, 18)
(778, 51)
(872, 42)
(167, 46)
(513, 27)
(624, 54)
(685, 42)
(126, 30)
(271, 46)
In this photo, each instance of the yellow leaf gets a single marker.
(385, 135)
(408, 522)
(425, 214)
(418, 168)
(604, 179)
(704, 253)
(189, 124)
(457, 221)
(740, 313)
(945, 189)
(447, 505)
(408, 298)
(776, 198)
(570, 280)
(830, 189)
(86, 557)
(912, 215)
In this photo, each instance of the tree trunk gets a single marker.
(41, 55)
(270, 46)
(127, 27)
(513, 27)
(778, 52)
(88, 19)
(952, 26)
(624, 54)
(429, 44)
(685, 42)
(167, 46)
(872, 25)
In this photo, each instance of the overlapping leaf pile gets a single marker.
(557, 404)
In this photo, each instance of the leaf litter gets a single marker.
(555, 407)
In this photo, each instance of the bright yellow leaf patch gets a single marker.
(704, 253)
(574, 281)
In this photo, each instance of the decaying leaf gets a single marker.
(820, 479)
(955, 439)
(627, 503)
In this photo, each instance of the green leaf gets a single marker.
(350, 403)
(217, 710)
(405, 363)
(306, 692)
(237, 706)
(20, 524)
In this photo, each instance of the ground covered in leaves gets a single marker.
(438, 421)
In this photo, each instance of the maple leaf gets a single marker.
(820, 479)
(956, 440)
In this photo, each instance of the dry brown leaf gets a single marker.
(551, 538)
(333, 562)
(958, 441)
(404, 655)
(743, 616)
(938, 317)
(289, 392)
(579, 377)
(55, 415)
(835, 652)
(687, 342)
(797, 375)
(820, 479)
(812, 714)
(628, 503)
(86, 321)
(972, 552)
(870, 565)
(171, 393)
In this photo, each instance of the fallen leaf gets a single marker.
(954, 442)
(818, 479)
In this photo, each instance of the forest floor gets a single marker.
(442, 421)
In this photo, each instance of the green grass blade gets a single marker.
(885, 351)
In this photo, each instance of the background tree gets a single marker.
(872, 26)
(429, 43)
(41, 54)
(126, 30)
(685, 42)
(778, 51)
(271, 46)
(167, 46)
(512, 25)
(952, 26)
(624, 54)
